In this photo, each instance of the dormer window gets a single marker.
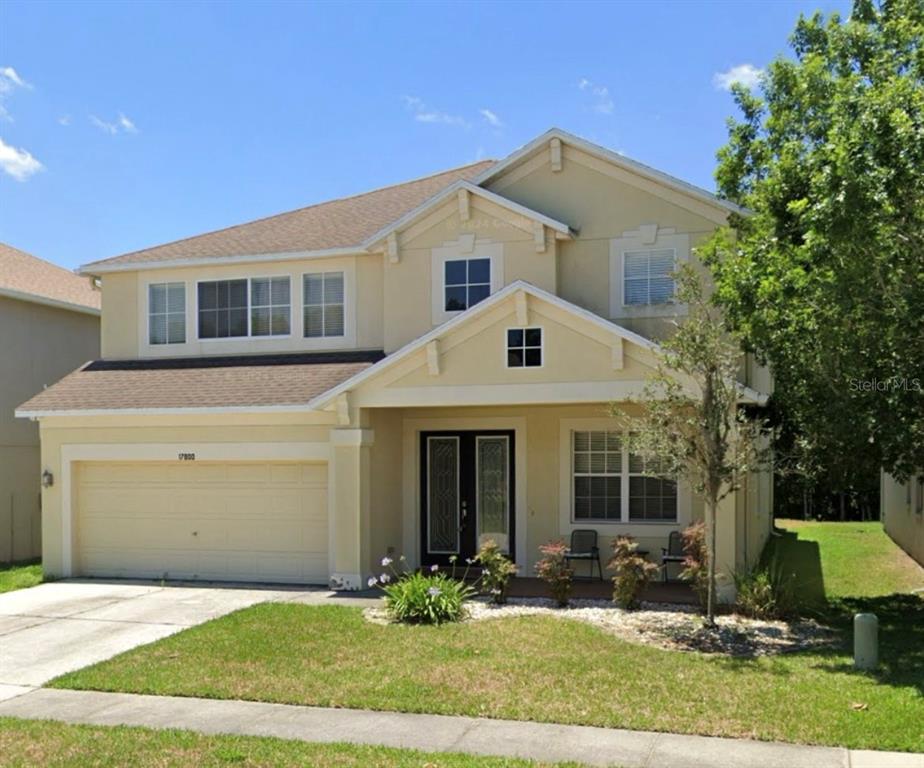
(467, 281)
(649, 276)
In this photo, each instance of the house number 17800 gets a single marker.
(186, 456)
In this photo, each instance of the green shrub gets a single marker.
(631, 572)
(765, 592)
(553, 569)
(496, 570)
(696, 561)
(418, 597)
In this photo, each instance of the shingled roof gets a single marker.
(27, 277)
(181, 384)
(342, 223)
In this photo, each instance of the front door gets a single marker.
(466, 493)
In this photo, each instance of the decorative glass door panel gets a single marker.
(493, 489)
(443, 495)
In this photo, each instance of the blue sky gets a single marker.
(124, 125)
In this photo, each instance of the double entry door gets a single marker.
(466, 493)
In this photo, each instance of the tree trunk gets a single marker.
(710, 594)
(843, 507)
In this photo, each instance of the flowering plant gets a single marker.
(496, 570)
(416, 597)
(631, 572)
(554, 570)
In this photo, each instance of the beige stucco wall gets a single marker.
(179, 432)
(408, 283)
(542, 443)
(125, 324)
(38, 345)
(900, 518)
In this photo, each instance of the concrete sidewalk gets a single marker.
(438, 733)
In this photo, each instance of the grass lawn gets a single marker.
(546, 669)
(20, 576)
(30, 743)
(845, 560)
(526, 668)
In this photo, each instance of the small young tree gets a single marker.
(691, 428)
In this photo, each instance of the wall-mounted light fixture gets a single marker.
(48, 479)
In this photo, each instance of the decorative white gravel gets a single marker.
(664, 625)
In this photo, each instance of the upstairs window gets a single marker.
(323, 296)
(270, 306)
(524, 347)
(648, 276)
(466, 282)
(222, 309)
(167, 313)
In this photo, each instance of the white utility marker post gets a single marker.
(865, 641)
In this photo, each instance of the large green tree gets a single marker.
(826, 279)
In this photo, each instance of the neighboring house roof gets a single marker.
(540, 142)
(257, 382)
(25, 277)
(337, 225)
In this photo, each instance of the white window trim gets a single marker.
(250, 308)
(451, 251)
(294, 342)
(623, 526)
(147, 314)
(525, 328)
(249, 336)
(343, 273)
(666, 239)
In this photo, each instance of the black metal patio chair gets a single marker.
(673, 552)
(584, 547)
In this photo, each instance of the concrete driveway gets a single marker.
(58, 627)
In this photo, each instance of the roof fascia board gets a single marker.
(613, 157)
(100, 268)
(36, 414)
(48, 302)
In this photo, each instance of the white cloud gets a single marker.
(491, 118)
(121, 123)
(127, 125)
(9, 82)
(426, 114)
(64, 120)
(18, 163)
(10, 79)
(603, 102)
(746, 74)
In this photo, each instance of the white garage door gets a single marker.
(231, 521)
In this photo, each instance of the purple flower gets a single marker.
(372, 581)
(434, 591)
(386, 561)
(384, 578)
(434, 568)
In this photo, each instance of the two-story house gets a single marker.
(408, 371)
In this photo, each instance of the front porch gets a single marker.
(656, 592)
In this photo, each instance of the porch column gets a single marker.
(349, 504)
(725, 551)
